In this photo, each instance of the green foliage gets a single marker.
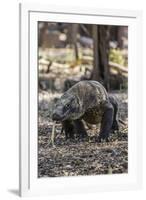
(116, 56)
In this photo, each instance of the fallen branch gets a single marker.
(118, 67)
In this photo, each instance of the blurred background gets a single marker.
(73, 52)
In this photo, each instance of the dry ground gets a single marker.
(71, 158)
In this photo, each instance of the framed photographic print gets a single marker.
(80, 100)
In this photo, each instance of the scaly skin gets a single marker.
(87, 100)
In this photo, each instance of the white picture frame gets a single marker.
(30, 184)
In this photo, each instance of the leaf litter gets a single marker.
(59, 157)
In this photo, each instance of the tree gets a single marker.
(101, 46)
(72, 37)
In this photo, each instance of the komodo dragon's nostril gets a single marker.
(55, 116)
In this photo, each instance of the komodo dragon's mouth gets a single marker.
(57, 117)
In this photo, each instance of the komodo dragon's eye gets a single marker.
(67, 106)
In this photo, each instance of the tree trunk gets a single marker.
(101, 45)
(72, 37)
(95, 73)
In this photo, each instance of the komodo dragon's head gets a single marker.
(67, 108)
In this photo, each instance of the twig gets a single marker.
(53, 134)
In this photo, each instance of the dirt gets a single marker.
(76, 157)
